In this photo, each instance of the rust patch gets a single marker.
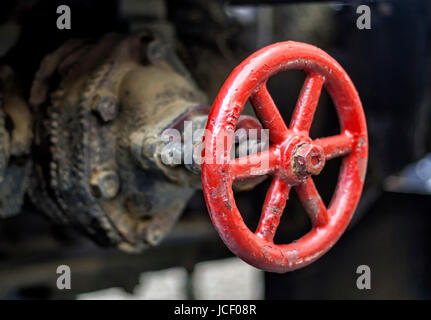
(335, 153)
(361, 143)
(312, 207)
(275, 210)
(362, 168)
(227, 204)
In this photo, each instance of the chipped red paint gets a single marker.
(248, 81)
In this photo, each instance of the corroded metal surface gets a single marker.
(248, 81)
(101, 109)
(15, 142)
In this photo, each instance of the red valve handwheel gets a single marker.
(293, 157)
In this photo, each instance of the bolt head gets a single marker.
(154, 234)
(107, 107)
(105, 184)
(156, 51)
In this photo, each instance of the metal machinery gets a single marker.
(101, 138)
(104, 164)
(82, 139)
(101, 109)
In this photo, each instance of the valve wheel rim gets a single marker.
(248, 81)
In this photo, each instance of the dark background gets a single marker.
(390, 67)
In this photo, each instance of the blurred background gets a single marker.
(390, 232)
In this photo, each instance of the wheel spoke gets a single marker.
(312, 202)
(307, 103)
(258, 164)
(273, 207)
(268, 113)
(336, 146)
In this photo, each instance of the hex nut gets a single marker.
(308, 159)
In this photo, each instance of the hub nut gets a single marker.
(308, 159)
